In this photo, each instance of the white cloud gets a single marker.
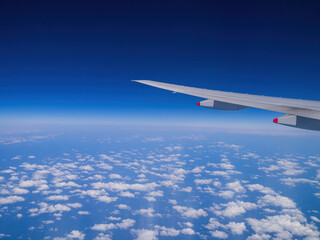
(102, 236)
(126, 223)
(167, 232)
(233, 209)
(106, 199)
(120, 186)
(156, 193)
(114, 176)
(19, 191)
(190, 212)
(86, 168)
(226, 194)
(11, 199)
(126, 194)
(150, 199)
(103, 227)
(148, 212)
(83, 213)
(145, 234)
(187, 189)
(235, 186)
(174, 148)
(315, 219)
(260, 188)
(32, 183)
(124, 206)
(284, 225)
(172, 201)
(58, 198)
(67, 184)
(188, 231)
(237, 228)
(75, 234)
(203, 181)
(278, 201)
(219, 234)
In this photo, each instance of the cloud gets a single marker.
(260, 188)
(120, 186)
(235, 186)
(202, 181)
(19, 191)
(167, 232)
(114, 176)
(106, 199)
(284, 226)
(278, 201)
(83, 213)
(174, 148)
(188, 231)
(126, 194)
(11, 199)
(103, 227)
(237, 228)
(86, 168)
(75, 234)
(58, 198)
(226, 194)
(219, 234)
(102, 236)
(32, 183)
(190, 212)
(124, 206)
(315, 219)
(148, 212)
(233, 209)
(145, 234)
(126, 223)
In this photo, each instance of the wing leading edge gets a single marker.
(304, 109)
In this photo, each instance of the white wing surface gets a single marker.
(298, 110)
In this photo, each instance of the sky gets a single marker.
(74, 60)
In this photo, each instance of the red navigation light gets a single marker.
(198, 103)
(275, 120)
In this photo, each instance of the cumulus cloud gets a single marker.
(120, 186)
(190, 212)
(114, 176)
(260, 188)
(219, 234)
(203, 181)
(127, 194)
(148, 212)
(278, 200)
(19, 191)
(167, 232)
(106, 199)
(58, 198)
(235, 186)
(226, 194)
(188, 231)
(284, 226)
(145, 234)
(237, 228)
(75, 234)
(233, 209)
(11, 199)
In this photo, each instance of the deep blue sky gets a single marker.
(76, 58)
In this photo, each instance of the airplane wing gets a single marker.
(300, 113)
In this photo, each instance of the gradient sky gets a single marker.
(75, 59)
